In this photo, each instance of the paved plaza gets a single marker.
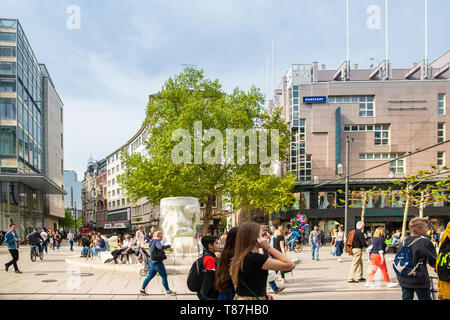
(54, 278)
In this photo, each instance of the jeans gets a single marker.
(15, 257)
(39, 247)
(156, 267)
(45, 245)
(292, 242)
(85, 252)
(422, 293)
(71, 245)
(273, 285)
(315, 250)
(96, 250)
(57, 245)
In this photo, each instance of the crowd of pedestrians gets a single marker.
(243, 262)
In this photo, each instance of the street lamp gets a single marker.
(75, 205)
(347, 155)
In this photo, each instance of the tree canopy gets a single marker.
(188, 147)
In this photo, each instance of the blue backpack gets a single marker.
(403, 261)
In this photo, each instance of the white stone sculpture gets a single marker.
(179, 218)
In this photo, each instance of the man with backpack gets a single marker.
(201, 277)
(354, 246)
(410, 261)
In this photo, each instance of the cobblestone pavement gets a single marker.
(53, 278)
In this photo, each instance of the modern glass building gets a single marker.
(30, 109)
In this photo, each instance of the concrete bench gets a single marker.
(105, 255)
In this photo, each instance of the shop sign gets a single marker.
(320, 99)
(119, 226)
(107, 226)
(137, 219)
(385, 212)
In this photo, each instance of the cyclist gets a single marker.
(293, 236)
(34, 239)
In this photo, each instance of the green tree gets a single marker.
(68, 221)
(184, 101)
(416, 193)
(359, 199)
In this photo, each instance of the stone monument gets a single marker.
(179, 218)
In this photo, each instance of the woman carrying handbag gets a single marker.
(157, 255)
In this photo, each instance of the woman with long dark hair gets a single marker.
(223, 280)
(249, 268)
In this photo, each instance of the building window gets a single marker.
(113, 171)
(62, 166)
(62, 141)
(109, 171)
(382, 134)
(117, 168)
(61, 114)
(397, 166)
(113, 182)
(441, 103)
(441, 159)
(8, 109)
(123, 202)
(8, 140)
(366, 107)
(117, 156)
(7, 85)
(441, 132)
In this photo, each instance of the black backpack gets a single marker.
(443, 261)
(195, 276)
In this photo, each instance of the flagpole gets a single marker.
(426, 39)
(387, 43)
(348, 40)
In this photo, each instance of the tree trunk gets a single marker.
(208, 215)
(422, 205)
(405, 216)
(363, 207)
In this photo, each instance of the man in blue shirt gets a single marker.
(314, 241)
(11, 239)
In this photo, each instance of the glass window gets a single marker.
(362, 127)
(295, 94)
(441, 132)
(369, 128)
(441, 159)
(7, 37)
(362, 156)
(441, 103)
(8, 140)
(355, 99)
(339, 99)
(354, 128)
(370, 156)
(397, 166)
(346, 128)
(7, 67)
(331, 99)
(7, 85)
(7, 108)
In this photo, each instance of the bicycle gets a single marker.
(35, 253)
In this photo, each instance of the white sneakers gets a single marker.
(389, 284)
(340, 259)
(392, 285)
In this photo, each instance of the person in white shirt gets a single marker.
(128, 247)
(70, 237)
(44, 235)
(140, 240)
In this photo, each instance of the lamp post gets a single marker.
(347, 171)
(75, 205)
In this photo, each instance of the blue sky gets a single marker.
(126, 49)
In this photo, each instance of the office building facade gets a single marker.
(385, 113)
(31, 136)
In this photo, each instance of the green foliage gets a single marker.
(68, 221)
(183, 100)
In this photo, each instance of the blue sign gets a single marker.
(338, 138)
(315, 99)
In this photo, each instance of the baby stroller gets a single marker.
(145, 260)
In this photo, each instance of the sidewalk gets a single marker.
(53, 278)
